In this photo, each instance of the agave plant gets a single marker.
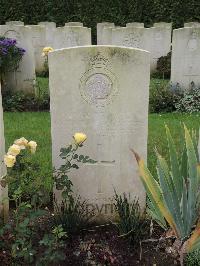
(174, 195)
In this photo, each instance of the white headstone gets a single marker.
(100, 27)
(72, 36)
(24, 78)
(106, 37)
(185, 67)
(155, 40)
(50, 32)
(165, 25)
(102, 91)
(135, 24)
(192, 24)
(4, 202)
(72, 23)
(18, 23)
(39, 42)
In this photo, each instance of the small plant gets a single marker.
(174, 193)
(53, 247)
(45, 52)
(71, 212)
(132, 221)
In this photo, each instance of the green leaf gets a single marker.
(65, 194)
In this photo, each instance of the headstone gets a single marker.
(50, 32)
(4, 202)
(135, 24)
(39, 42)
(102, 91)
(18, 23)
(72, 23)
(23, 79)
(106, 37)
(72, 36)
(165, 25)
(155, 40)
(100, 27)
(185, 67)
(192, 24)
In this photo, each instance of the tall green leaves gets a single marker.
(174, 198)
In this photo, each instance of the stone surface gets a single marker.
(50, 32)
(192, 24)
(156, 40)
(39, 42)
(72, 23)
(106, 36)
(185, 66)
(72, 36)
(102, 91)
(24, 78)
(100, 27)
(135, 24)
(4, 203)
(163, 25)
(19, 23)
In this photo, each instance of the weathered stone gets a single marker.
(163, 25)
(24, 78)
(50, 32)
(72, 23)
(102, 91)
(39, 42)
(18, 23)
(100, 27)
(72, 36)
(135, 24)
(185, 67)
(192, 24)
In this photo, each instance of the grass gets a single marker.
(36, 126)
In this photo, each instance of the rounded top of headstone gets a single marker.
(15, 23)
(135, 24)
(73, 23)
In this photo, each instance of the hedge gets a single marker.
(92, 11)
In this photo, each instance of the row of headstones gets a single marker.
(156, 40)
(102, 91)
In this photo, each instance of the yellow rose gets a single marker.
(79, 138)
(32, 145)
(14, 150)
(46, 50)
(22, 143)
(9, 160)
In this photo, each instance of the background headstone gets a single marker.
(72, 36)
(4, 202)
(192, 24)
(50, 32)
(24, 78)
(39, 42)
(135, 24)
(100, 27)
(19, 23)
(102, 91)
(163, 25)
(185, 67)
(72, 23)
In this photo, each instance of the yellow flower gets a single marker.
(9, 160)
(79, 138)
(46, 50)
(14, 150)
(22, 143)
(32, 145)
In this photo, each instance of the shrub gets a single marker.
(190, 102)
(163, 97)
(164, 66)
(132, 221)
(174, 193)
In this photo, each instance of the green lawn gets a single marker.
(36, 126)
